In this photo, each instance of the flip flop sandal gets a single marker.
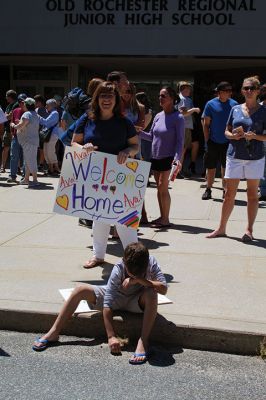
(93, 263)
(45, 343)
(247, 238)
(133, 361)
(160, 226)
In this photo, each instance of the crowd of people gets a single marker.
(113, 118)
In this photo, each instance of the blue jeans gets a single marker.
(15, 156)
(263, 180)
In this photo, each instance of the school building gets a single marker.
(49, 46)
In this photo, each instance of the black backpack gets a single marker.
(76, 102)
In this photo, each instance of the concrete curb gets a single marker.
(129, 325)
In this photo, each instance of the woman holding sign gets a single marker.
(167, 137)
(108, 131)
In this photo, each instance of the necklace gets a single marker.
(250, 110)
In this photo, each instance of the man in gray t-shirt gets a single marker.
(132, 286)
(186, 107)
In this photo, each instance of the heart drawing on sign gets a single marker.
(133, 165)
(113, 189)
(96, 187)
(105, 188)
(62, 201)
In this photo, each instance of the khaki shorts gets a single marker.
(121, 302)
(188, 138)
(6, 139)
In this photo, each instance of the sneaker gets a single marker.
(35, 183)
(85, 222)
(207, 195)
(192, 168)
(23, 182)
(11, 180)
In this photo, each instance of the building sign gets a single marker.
(140, 27)
(94, 186)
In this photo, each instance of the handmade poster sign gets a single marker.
(94, 186)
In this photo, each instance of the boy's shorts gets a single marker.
(216, 152)
(187, 138)
(121, 302)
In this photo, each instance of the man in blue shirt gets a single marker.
(215, 116)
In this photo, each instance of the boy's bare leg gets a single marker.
(84, 292)
(210, 177)
(148, 301)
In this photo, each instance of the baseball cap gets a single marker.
(29, 101)
(223, 86)
(22, 97)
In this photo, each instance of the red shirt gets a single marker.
(16, 115)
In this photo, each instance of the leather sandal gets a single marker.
(94, 262)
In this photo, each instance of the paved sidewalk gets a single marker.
(217, 285)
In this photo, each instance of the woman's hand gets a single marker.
(89, 147)
(12, 125)
(122, 156)
(138, 128)
(178, 165)
(238, 133)
(250, 135)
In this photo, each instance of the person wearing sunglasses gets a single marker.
(262, 98)
(245, 156)
(108, 131)
(167, 137)
(215, 116)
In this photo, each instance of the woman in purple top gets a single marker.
(167, 137)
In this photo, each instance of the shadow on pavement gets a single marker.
(195, 230)
(256, 242)
(3, 353)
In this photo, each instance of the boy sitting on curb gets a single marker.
(132, 286)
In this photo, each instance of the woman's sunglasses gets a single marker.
(251, 88)
(163, 96)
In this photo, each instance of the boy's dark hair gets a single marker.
(115, 76)
(40, 98)
(12, 94)
(136, 258)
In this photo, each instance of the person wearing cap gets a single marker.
(52, 121)
(16, 154)
(11, 98)
(215, 116)
(186, 107)
(28, 137)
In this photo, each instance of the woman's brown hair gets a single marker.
(105, 87)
